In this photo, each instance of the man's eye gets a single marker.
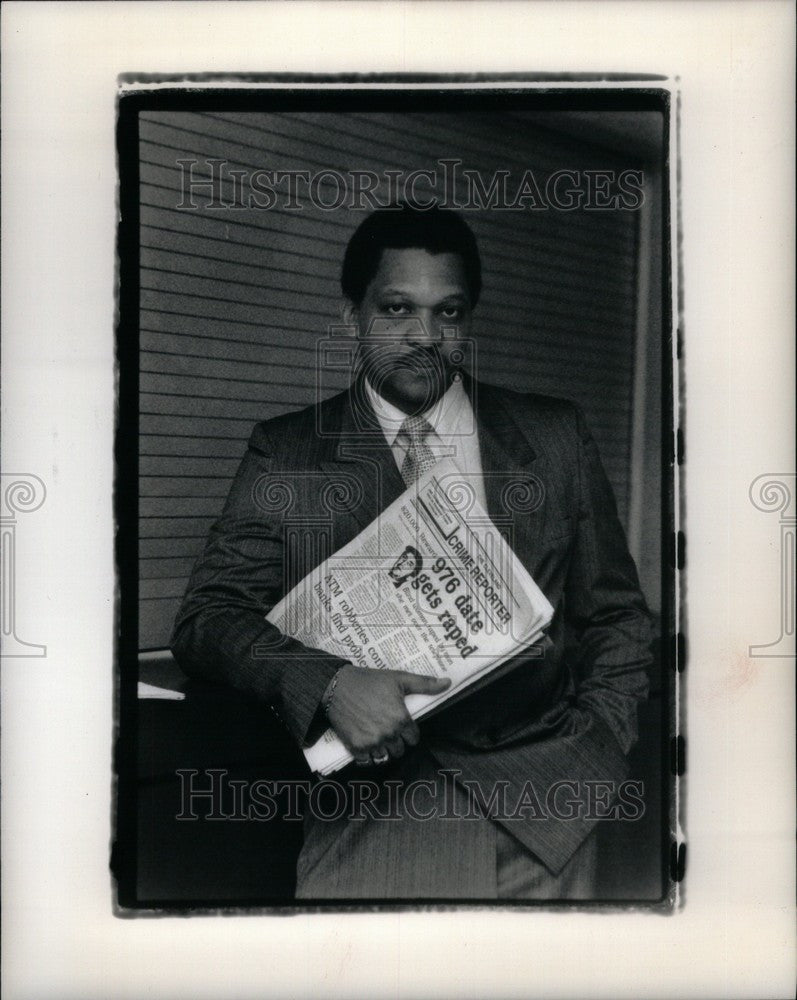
(396, 309)
(452, 312)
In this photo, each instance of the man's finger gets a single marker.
(395, 746)
(421, 684)
(411, 734)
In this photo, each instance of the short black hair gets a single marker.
(404, 226)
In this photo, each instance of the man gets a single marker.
(544, 735)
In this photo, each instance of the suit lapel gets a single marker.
(513, 491)
(359, 460)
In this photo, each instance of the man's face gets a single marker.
(411, 324)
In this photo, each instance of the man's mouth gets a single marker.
(413, 372)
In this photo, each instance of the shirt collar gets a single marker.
(445, 416)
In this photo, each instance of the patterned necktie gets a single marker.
(419, 457)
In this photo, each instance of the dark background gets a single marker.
(231, 306)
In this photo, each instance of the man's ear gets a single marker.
(351, 315)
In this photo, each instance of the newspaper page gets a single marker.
(421, 589)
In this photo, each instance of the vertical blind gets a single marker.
(234, 300)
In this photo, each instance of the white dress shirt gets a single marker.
(454, 432)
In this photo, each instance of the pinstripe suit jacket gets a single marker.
(309, 482)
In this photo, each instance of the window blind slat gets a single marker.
(174, 528)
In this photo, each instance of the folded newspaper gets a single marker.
(431, 586)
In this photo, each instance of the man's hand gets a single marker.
(368, 713)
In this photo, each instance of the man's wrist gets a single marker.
(329, 692)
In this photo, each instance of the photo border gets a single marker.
(384, 93)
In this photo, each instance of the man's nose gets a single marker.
(422, 328)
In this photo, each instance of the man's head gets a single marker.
(408, 564)
(411, 279)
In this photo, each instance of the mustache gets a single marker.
(424, 361)
(424, 357)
